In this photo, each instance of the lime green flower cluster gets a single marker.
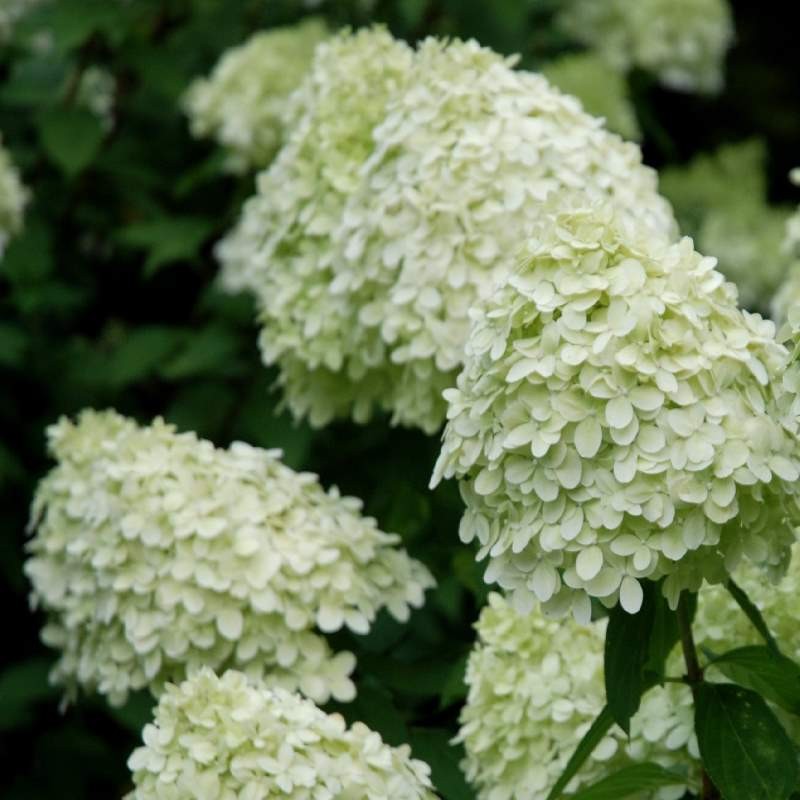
(720, 200)
(602, 90)
(403, 193)
(12, 199)
(617, 420)
(682, 42)
(156, 553)
(242, 104)
(535, 685)
(228, 738)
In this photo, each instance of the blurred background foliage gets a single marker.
(107, 298)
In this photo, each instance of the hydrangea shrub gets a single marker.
(229, 737)
(156, 553)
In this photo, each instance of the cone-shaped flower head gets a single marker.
(243, 103)
(616, 420)
(683, 42)
(602, 90)
(535, 685)
(227, 737)
(12, 198)
(156, 553)
(365, 304)
(720, 200)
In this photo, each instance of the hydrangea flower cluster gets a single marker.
(535, 685)
(12, 198)
(720, 200)
(682, 42)
(366, 270)
(616, 420)
(226, 737)
(243, 102)
(156, 553)
(602, 90)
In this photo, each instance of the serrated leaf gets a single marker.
(600, 727)
(71, 137)
(633, 780)
(773, 676)
(743, 747)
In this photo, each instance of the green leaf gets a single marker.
(742, 745)
(753, 614)
(434, 747)
(22, 686)
(455, 688)
(12, 344)
(585, 748)
(775, 677)
(631, 780)
(628, 650)
(141, 352)
(212, 349)
(167, 240)
(71, 137)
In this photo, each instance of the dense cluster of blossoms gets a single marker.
(12, 198)
(96, 92)
(365, 269)
(720, 199)
(602, 90)
(227, 737)
(682, 42)
(535, 685)
(617, 420)
(243, 103)
(156, 553)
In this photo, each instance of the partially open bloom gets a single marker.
(616, 420)
(720, 200)
(602, 90)
(535, 687)
(228, 737)
(365, 286)
(243, 102)
(683, 42)
(156, 553)
(12, 198)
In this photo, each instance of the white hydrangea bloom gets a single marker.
(156, 553)
(243, 103)
(365, 286)
(13, 197)
(616, 420)
(720, 200)
(602, 90)
(228, 738)
(792, 239)
(535, 685)
(683, 42)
